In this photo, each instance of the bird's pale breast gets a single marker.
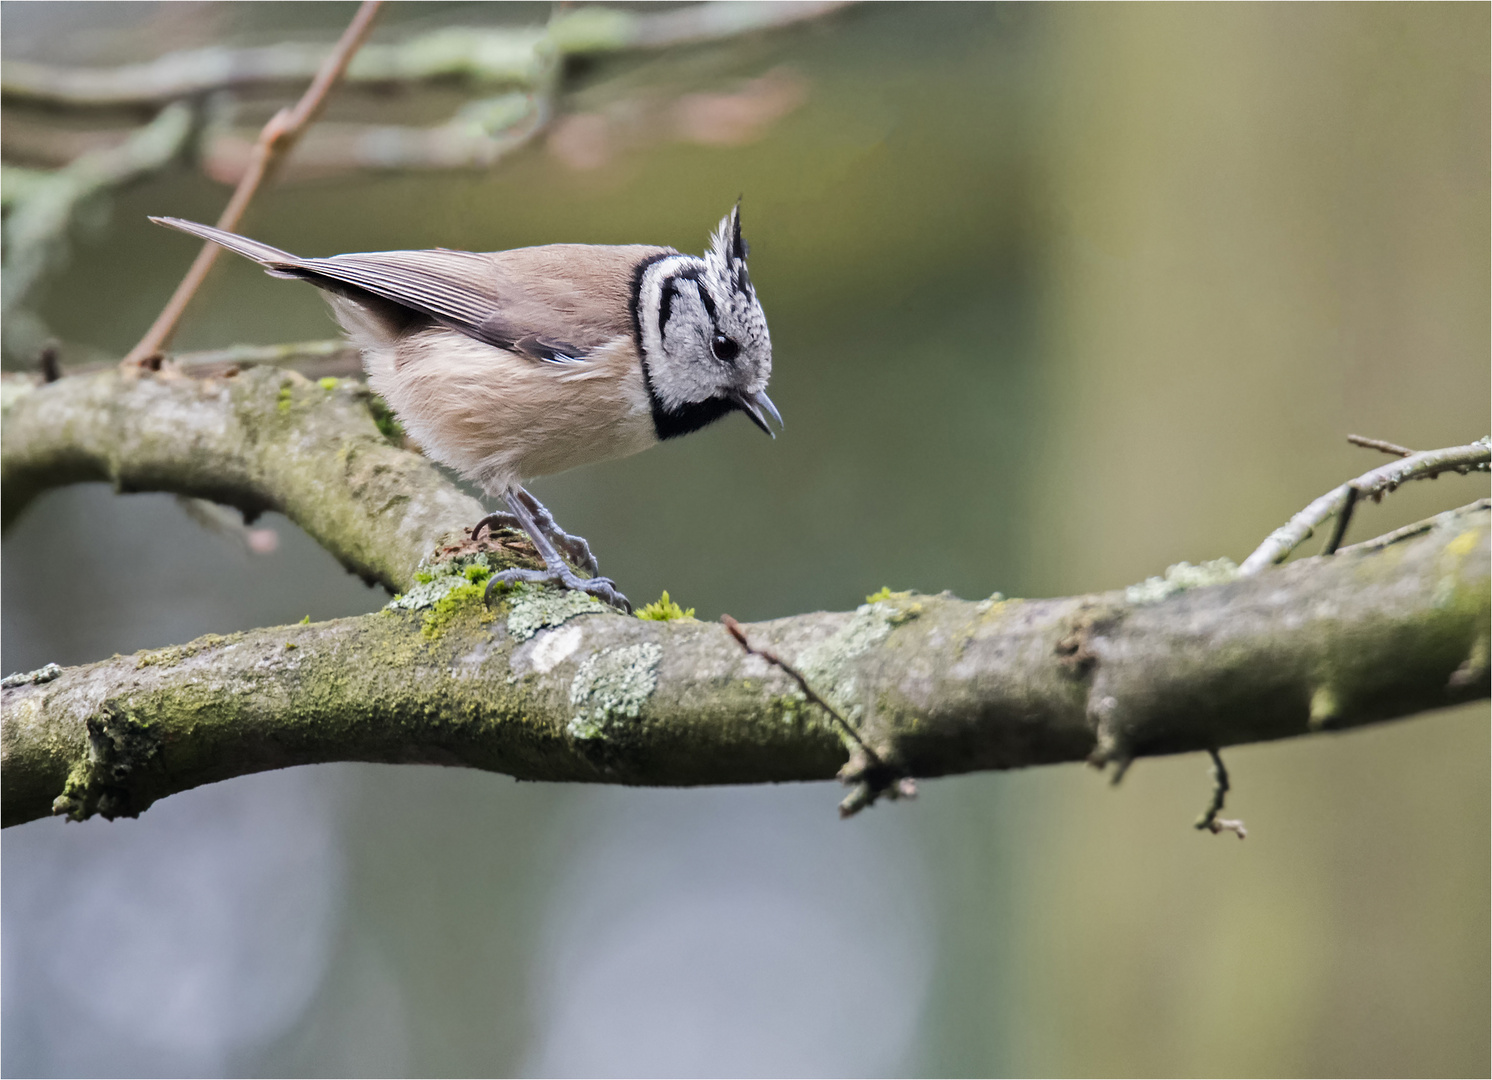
(500, 419)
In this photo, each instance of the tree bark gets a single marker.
(263, 439)
(549, 685)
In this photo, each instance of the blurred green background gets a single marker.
(1059, 295)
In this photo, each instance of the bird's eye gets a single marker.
(724, 348)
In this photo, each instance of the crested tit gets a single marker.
(509, 365)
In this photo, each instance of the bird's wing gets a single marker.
(554, 303)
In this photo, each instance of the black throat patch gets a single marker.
(686, 418)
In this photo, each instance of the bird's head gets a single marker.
(706, 350)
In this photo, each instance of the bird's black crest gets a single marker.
(739, 249)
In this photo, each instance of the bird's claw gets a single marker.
(603, 589)
(574, 547)
(498, 519)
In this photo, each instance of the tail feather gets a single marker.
(271, 257)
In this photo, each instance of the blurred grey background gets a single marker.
(1059, 295)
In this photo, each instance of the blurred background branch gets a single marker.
(523, 58)
(277, 139)
(525, 64)
(40, 207)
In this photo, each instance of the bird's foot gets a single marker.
(603, 589)
(554, 546)
(573, 548)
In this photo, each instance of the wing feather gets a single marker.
(553, 304)
(446, 285)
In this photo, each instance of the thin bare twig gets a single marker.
(1427, 464)
(335, 357)
(314, 359)
(1379, 444)
(1418, 528)
(870, 774)
(772, 658)
(1220, 787)
(1344, 516)
(276, 140)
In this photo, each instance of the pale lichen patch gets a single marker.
(43, 674)
(831, 666)
(14, 387)
(613, 685)
(1181, 577)
(23, 712)
(533, 609)
(470, 664)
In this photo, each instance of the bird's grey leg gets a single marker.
(556, 571)
(574, 547)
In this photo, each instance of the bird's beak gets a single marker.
(754, 405)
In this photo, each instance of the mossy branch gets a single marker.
(263, 439)
(552, 686)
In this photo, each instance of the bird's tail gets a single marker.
(271, 258)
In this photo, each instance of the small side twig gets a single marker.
(1419, 528)
(49, 364)
(776, 661)
(311, 358)
(867, 770)
(1343, 519)
(1380, 444)
(1220, 788)
(275, 141)
(314, 359)
(1426, 464)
